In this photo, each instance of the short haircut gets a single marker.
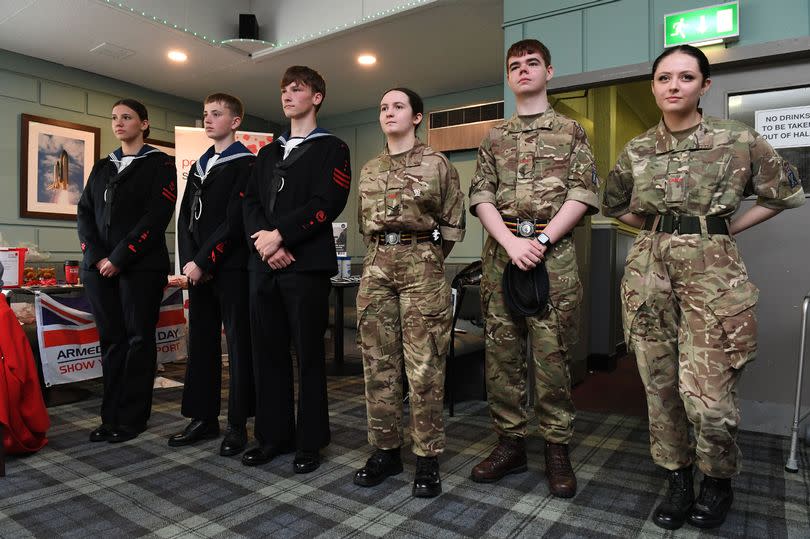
(528, 46)
(232, 103)
(308, 77)
(416, 103)
(139, 109)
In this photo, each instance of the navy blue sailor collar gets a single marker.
(318, 132)
(117, 156)
(235, 151)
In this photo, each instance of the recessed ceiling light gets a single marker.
(366, 59)
(177, 56)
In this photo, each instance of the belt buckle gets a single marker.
(525, 228)
(392, 238)
(676, 224)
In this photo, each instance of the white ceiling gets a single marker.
(433, 46)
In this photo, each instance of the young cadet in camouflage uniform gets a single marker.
(688, 306)
(411, 213)
(533, 169)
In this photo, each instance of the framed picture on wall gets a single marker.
(55, 159)
(165, 147)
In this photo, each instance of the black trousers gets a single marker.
(288, 307)
(222, 300)
(126, 309)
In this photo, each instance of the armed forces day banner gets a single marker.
(68, 338)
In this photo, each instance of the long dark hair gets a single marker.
(694, 52)
(139, 109)
(417, 105)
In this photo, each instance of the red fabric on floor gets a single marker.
(22, 408)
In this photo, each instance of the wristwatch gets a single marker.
(544, 240)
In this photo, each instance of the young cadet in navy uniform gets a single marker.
(213, 254)
(122, 218)
(299, 185)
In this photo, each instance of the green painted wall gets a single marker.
(361, 131)
(33, 86)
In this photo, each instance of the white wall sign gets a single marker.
(784, 128)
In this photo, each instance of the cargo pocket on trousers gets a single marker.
(362, 316)
(567, 324)
(436, 321)
(734, 310)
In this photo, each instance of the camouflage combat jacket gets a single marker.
(708, 173)
(529, 171)
(415, 191)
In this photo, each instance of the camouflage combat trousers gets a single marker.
(688, 310)
(550, 336)
(404, 316)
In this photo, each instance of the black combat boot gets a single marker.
(672, 512)
(426, 481)
(382, 463)
(712, 504)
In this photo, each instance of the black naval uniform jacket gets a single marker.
(209, 226)
(123, 216)
(312, 191)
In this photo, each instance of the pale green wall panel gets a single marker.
(770, 21)
(511, 34)
(18, 86)
(174, 119)
(161, 135)
(469, 249)
(157, 118)
(562, 34)
(515, 10)
(59, 240)
(100, 104)
(14, 235)
(605, 45)
(9, 161)
(63, 97)
(369, 143)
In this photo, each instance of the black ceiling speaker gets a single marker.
(248, 26)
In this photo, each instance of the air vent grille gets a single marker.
(112, 50)
(466, 115)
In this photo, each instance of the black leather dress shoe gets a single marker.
(306, 461)
(426, 481)
(194, 432)
(383, 463)
(262, 454)
(234, 442)
(123, 434)
(100, 434)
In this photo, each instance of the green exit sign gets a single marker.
(713, 24)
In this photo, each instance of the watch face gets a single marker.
(543, 239)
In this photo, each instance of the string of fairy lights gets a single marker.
(271, 45)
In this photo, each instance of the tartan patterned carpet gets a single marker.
(73, 488)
